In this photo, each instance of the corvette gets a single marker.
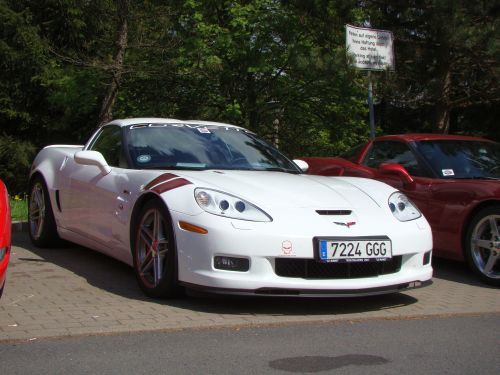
(212, 207)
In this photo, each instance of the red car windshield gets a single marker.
(462, 159)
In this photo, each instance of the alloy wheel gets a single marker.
(485, 246)
(152, 247)
(36, 210)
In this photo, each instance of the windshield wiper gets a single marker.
(477, 178)
(278, 169)
(194, 168)
(173, 167)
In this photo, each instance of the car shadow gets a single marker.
(115, 277)
(456, 271)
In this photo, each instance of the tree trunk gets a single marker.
(444, 107)
(106, 113)
(251, 103)
(443, 118)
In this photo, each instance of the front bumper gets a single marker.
(265, 243)
(310, 293)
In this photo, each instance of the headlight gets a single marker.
(402, 208)
(227, 205)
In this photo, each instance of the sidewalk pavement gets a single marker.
(72, 291)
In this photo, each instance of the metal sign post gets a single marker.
(370, 106)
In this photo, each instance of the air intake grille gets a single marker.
(334, 212)
(311, 269)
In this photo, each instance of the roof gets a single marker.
(159, 120)
(428, 136)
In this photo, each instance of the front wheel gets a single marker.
(482, 247)
(154, 252)
(42, 225)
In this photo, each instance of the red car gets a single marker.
(5, 227)
(454, 181)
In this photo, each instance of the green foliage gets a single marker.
(19, 208)
(447, 63)
(276, 63)
(15, 161)
(22, 60)
(277, 67)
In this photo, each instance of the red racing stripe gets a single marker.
(162, 178)
(171, 184)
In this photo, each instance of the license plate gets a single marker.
(355, 250)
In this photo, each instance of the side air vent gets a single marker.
(334, 212)
(58, 201)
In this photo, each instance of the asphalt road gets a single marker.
(453, 345)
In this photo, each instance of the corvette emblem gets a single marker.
(347, 224)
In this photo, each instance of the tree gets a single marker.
(447, 58)
(277, 67)
(266, 63)
(23, 58)
(117, 67)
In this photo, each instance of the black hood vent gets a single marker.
(334, 212)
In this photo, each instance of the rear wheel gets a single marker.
(154, 252)
(42, 225)
(482, 248)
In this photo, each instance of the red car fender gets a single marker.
(5, 231)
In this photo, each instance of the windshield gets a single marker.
(185, 146)
(462, 159)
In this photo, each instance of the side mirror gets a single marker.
(301, 164)
(93, 158)
(397, 170)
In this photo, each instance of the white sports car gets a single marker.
(212, 207)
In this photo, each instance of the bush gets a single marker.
(15, 162)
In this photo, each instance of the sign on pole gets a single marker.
(370, 49)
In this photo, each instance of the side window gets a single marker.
(109, 144)
(377, 155)
(352, 154)
(393, 152)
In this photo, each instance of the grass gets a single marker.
(19, 208)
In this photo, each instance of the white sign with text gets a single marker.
(370, 49)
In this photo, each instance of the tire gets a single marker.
(42, 225)
(154, 252)
(482, 246)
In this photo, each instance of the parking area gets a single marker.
(75, 291)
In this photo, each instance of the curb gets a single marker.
(19, 226)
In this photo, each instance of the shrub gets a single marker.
(15, 161)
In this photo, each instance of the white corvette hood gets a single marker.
(277, 189)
